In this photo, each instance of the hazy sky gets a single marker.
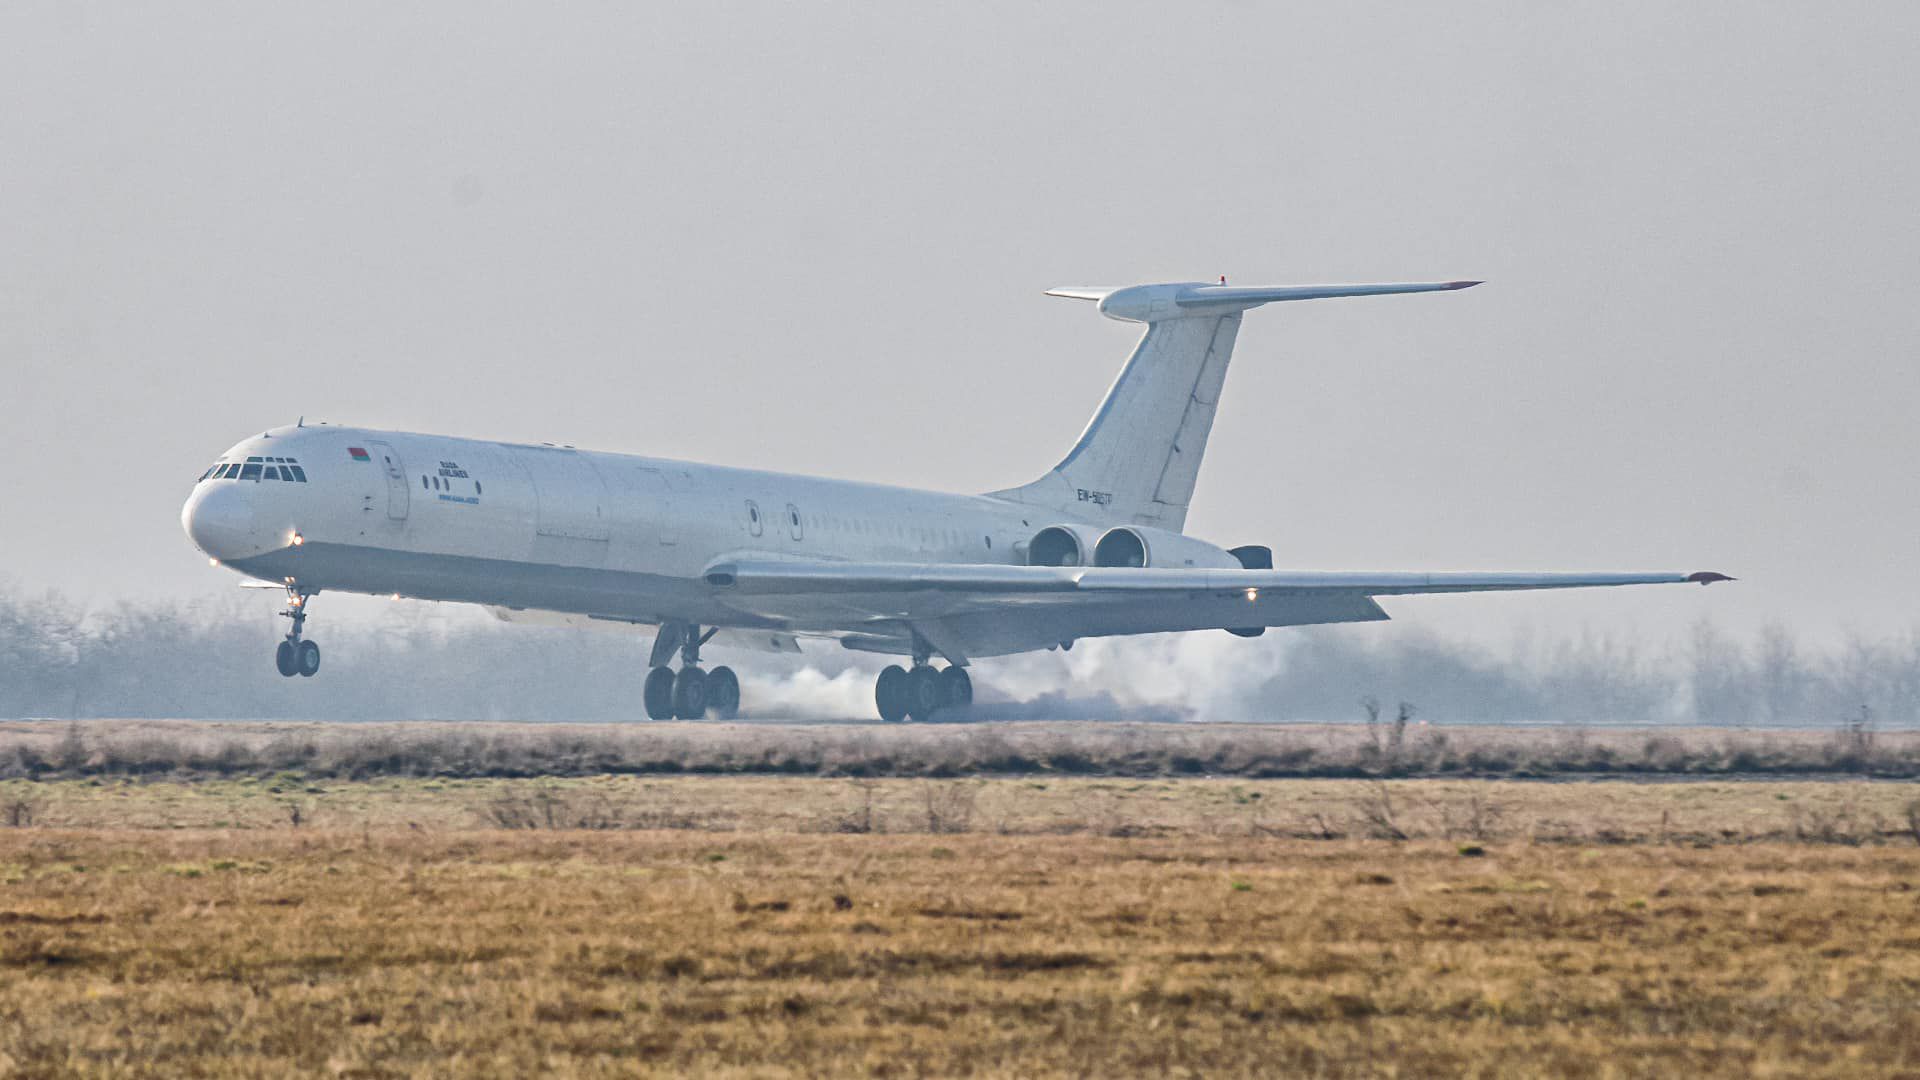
(815, 238)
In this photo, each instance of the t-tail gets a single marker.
(1139, 457)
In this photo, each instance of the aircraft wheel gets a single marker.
(956, 688)
(658, 694)
(308, 656)
(923, 692)
(690, 694)
(285, 660)
(723, 693)
(890, 693)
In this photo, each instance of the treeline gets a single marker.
(1710, 678)
(214, 660)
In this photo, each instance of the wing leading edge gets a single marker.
(986, 610)
(793, 577)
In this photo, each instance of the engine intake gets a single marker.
(1055, 546)
(1120, 546)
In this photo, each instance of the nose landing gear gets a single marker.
(690, 693)
(296, 655)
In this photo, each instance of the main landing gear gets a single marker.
(296, 655)
(921, 691)
(690, 693)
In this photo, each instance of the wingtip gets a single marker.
(1708, 577)
(1451, 285)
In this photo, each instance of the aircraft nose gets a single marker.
(219, 519)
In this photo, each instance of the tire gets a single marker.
(690, 694)
(658, 694)
(285, 660)
(956, 688)
(723, 693)
(308, 656)
(890, 694)
(923, 692)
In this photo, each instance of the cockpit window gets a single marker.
(257, 469)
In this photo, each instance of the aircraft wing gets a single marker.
(986, 609)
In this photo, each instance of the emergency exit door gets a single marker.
(397, 494)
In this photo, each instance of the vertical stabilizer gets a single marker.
(1139, 457)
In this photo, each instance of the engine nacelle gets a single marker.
(1062, 545)
(1121, 546)
(1124, 546)
(1179, 551)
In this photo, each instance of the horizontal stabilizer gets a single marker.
(1216, 295)
(1155, 303)
(1139, 458)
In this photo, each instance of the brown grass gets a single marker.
(1693, 812)
(515, 953)
(1037, 925)
(43, 749)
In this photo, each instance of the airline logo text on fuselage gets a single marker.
(449, 471)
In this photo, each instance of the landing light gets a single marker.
(213, 562)
(298, 539)
(1252, 595)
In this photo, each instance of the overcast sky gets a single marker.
(815, 238)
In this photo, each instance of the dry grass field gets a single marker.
(754, 925)
(1387, 748)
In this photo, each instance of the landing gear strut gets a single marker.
(296, 655)
(922, 690)
(690, 693)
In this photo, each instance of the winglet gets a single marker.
(1708, 577)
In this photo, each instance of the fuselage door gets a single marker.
(656, 484)
(397, 494)
(570, 496)
(642, 502)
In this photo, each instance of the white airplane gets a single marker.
(1095, 547)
